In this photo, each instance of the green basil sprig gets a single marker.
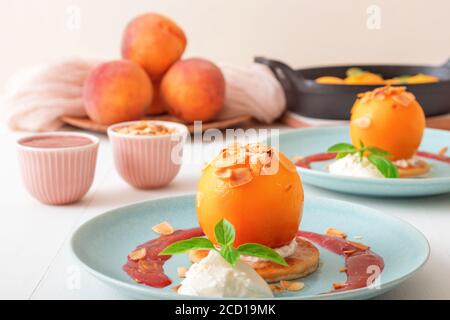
(225, 235)
(375, 155)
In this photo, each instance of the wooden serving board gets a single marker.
(87, 124)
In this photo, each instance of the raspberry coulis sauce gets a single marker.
(56, 141)
(317, 157)
(359, 262)
(362, 265)
(149, 270)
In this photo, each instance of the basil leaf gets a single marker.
(260, 251)
(230, 254)
(354, 72)
(186, 245)
(224, 233)
(386, 167)
(378, 151)
(341, 155)
(342, 147)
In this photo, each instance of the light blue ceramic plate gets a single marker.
(305, 142)
(102, 244)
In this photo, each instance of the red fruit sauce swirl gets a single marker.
(149, 270)
(306, 161)
(362, 265)
(359, 262)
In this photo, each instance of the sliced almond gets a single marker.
(443, 151)
(138, 254)
(224, 173)
(333, 232)
(276, 288)
(175, 288)
(182, 272)
(240, 176)
(359, 245)
(258, 148)
(292, 286)
(255, 168)
(363, 122)
(348, 252)
(402, 100)
(224, 162)
(147, 266)
(163, 228)
(337, 286)
(343, 269)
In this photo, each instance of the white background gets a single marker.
(300, 32)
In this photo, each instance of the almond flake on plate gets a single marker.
(333, 232)
(292, 285)
(175, 288)
(276, 288)
(182, 272)
(359, 245)
(138, 254)
(337, 286)
(443, 151)
(163, 228)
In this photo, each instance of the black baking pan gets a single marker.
(334, 101)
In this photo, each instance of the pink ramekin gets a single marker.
(148, 162)
(58, 175)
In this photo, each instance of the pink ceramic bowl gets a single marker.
(54, 174)
(148, 162)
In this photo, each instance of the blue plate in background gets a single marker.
(304, 142)
(102, 244)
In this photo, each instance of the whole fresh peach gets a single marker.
(193, 89)
(117, 91)
(154, 42)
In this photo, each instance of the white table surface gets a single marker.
(35, 259)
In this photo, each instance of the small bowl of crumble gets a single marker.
(148, 154)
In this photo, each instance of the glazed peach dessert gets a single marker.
(390, 118)
(271, 179)
(258, 190)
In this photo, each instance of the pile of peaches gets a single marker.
(151, 79)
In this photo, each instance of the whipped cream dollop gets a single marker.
(215, 277)
(284, 251)
(353, 165)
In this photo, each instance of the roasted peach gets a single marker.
(257, 189)
(330, 80)
(389, 118)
